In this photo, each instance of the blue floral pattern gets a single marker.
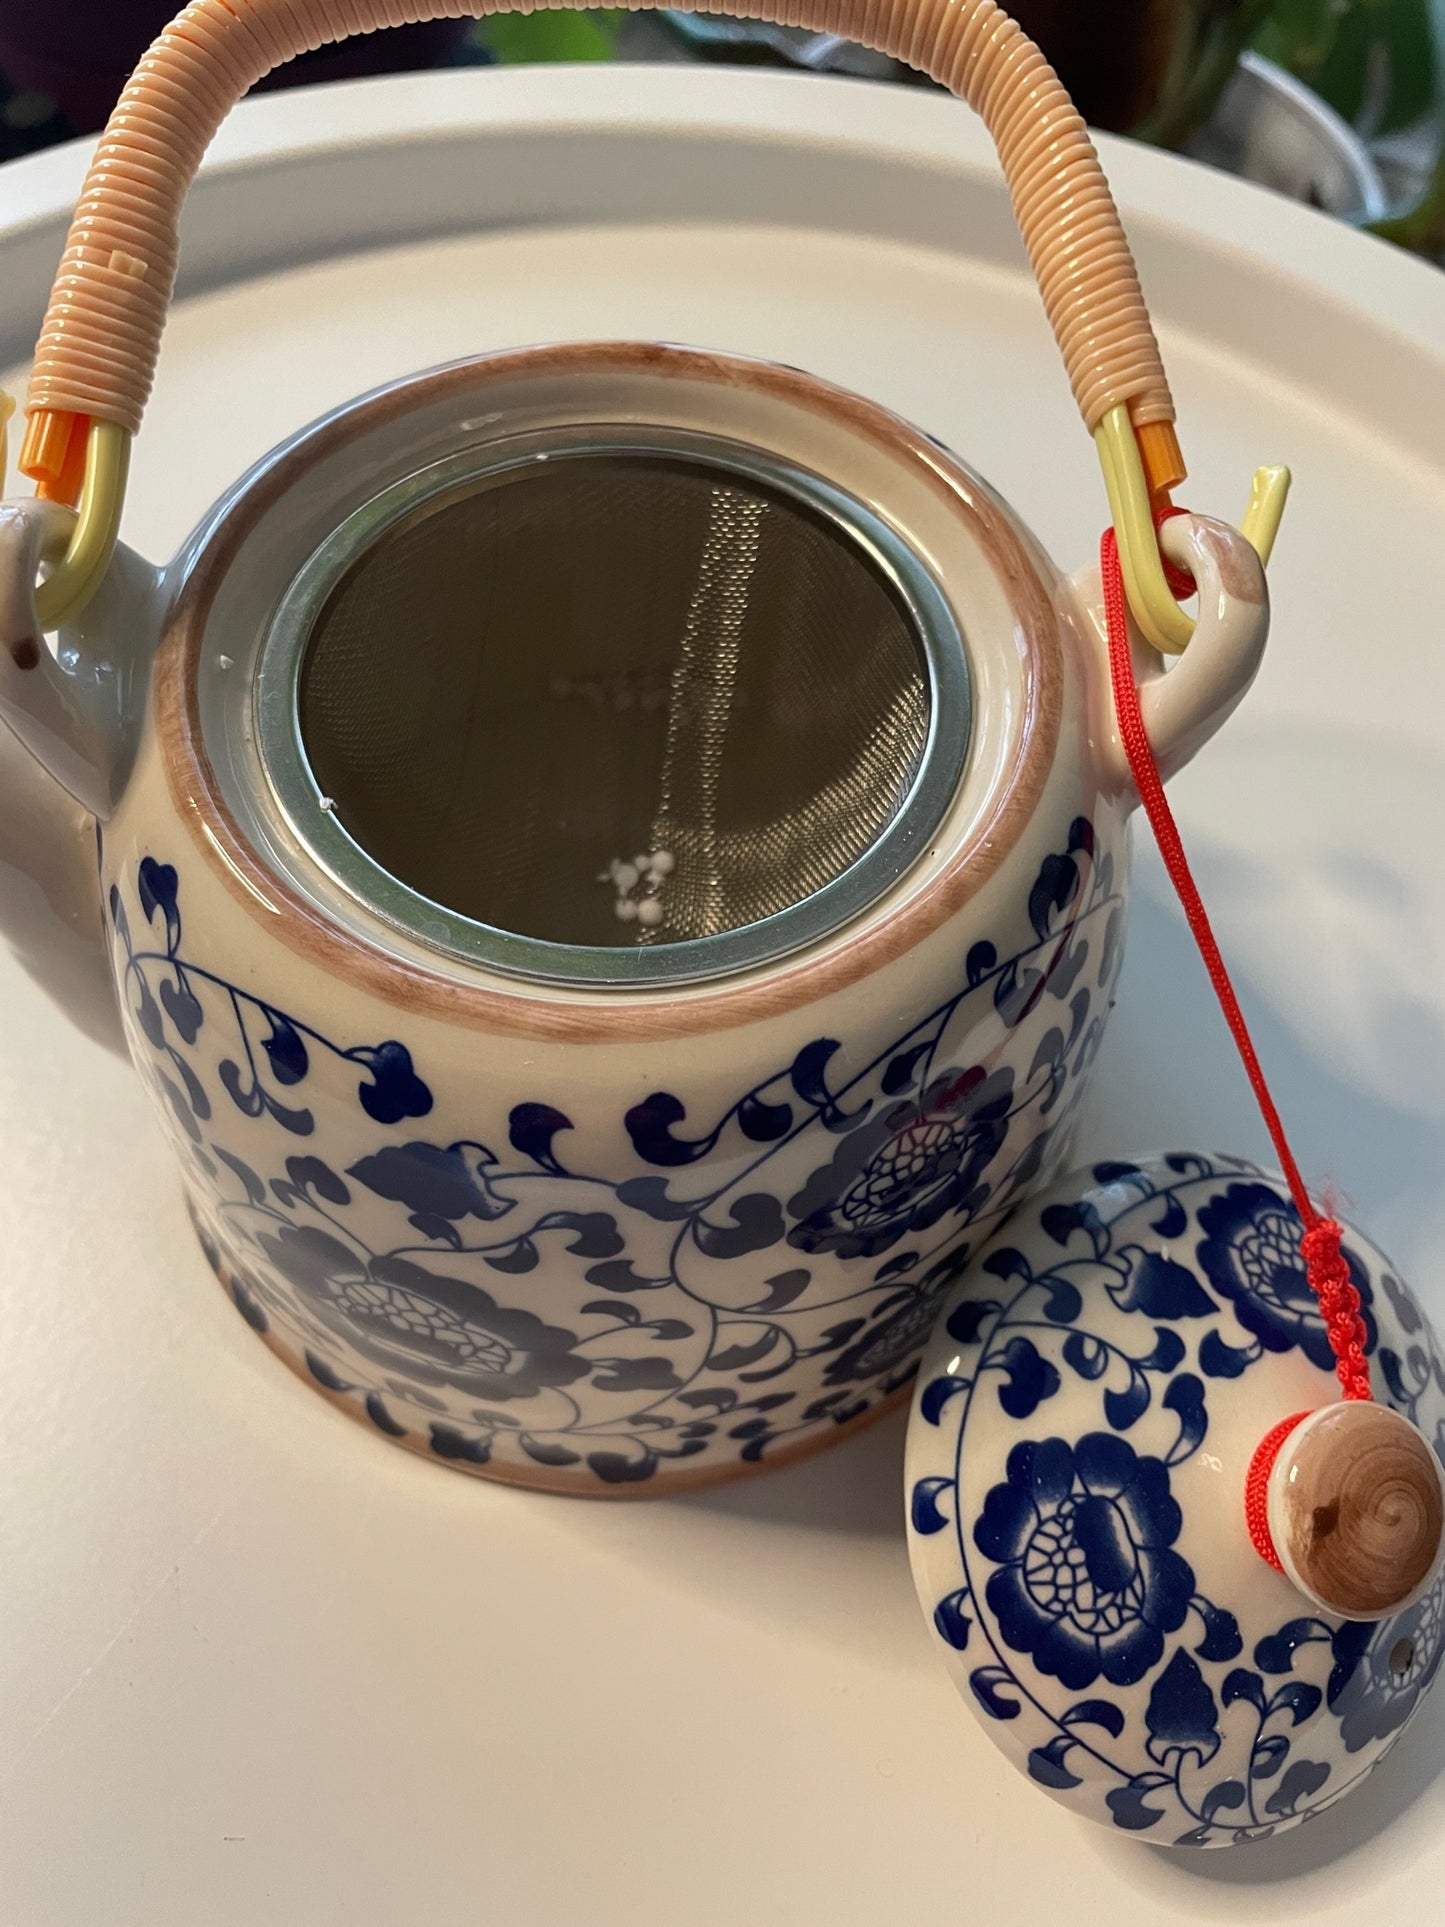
(1085, 1580)
(736, 1290)
(1063, 1430)
(742, 1285)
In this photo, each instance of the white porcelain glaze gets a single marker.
(606, 1241)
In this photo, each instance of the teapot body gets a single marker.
(616, 1241)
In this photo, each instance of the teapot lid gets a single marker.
(1097, 1390)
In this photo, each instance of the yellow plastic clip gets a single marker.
(1161, 621)
(63, 594)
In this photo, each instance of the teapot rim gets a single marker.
(849, 955)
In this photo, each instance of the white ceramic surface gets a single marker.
(239, 1691)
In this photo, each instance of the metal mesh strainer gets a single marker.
(626, 698)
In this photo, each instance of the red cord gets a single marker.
(1325, 1265)
(1256, 1489)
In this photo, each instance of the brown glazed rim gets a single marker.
(608, 1017)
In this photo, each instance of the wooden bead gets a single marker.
(1356, 1509)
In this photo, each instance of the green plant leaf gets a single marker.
(520, 39)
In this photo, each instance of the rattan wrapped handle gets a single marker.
(98, 348)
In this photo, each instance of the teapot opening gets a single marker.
(624, 707)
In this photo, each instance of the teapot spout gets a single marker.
(70, 724)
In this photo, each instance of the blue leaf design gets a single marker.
(285, 1052)
(314, 1175)
(546, 1452)
(923, 1505)
(1122, 1408)
(901, 1073)
(730, 1357)
(517, 1257)
(1269, 1756)
(1172, 1220)
(612, 1308)
(757, 1223)
(615, 1468)
(1218, 1360)
(394, 1090)
(255, 1190)
(650, 1196)
(763, 1123)
(1086, 1355)
(982, 958)
(448, 1443)
(1120, 1171)
(595, 1232)
(1046, 1764)
(432, 1179)
(326, 1374)
(1129, 1804)
(937, 1393)
(1005, 1262)
(1184, 1396)
(1221, 1632)
(1181, 1715)
(431, 1226)
(1404, 1306)
(1229, 1793)
(247, 1306)
(1160, 1288)
(1299, 1698)
(721, 1399)
(1062, 1303)
(1241, 1684)
(988, 1684)
(1169, 1349)
(183, 1009)
(185, 1116)
(246, 1097)
(950, 1621)
(809, 1080)
(1029, 1379)
(1061, 1221)
(148, 1016)
(1302, 1780)
(649, 1125)
(1275, 1653)
(531, 1129)
(635, 1375)
(967, 1319)
(1054, 890)
(1101, 1713)
(157, 886)
(381, 1418)
(617, 1274)
(782, 1290)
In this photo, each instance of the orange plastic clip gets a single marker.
(53, 454)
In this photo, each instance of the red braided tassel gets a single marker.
(1330, 1281)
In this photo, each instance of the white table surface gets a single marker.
(258, 1667)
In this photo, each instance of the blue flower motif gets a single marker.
(440, 1330)
(1252, 1257)
(1088, 1582)
(887, 1343)
(906, 1167)
(1381, 1671)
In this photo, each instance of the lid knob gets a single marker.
(1356, 1509)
